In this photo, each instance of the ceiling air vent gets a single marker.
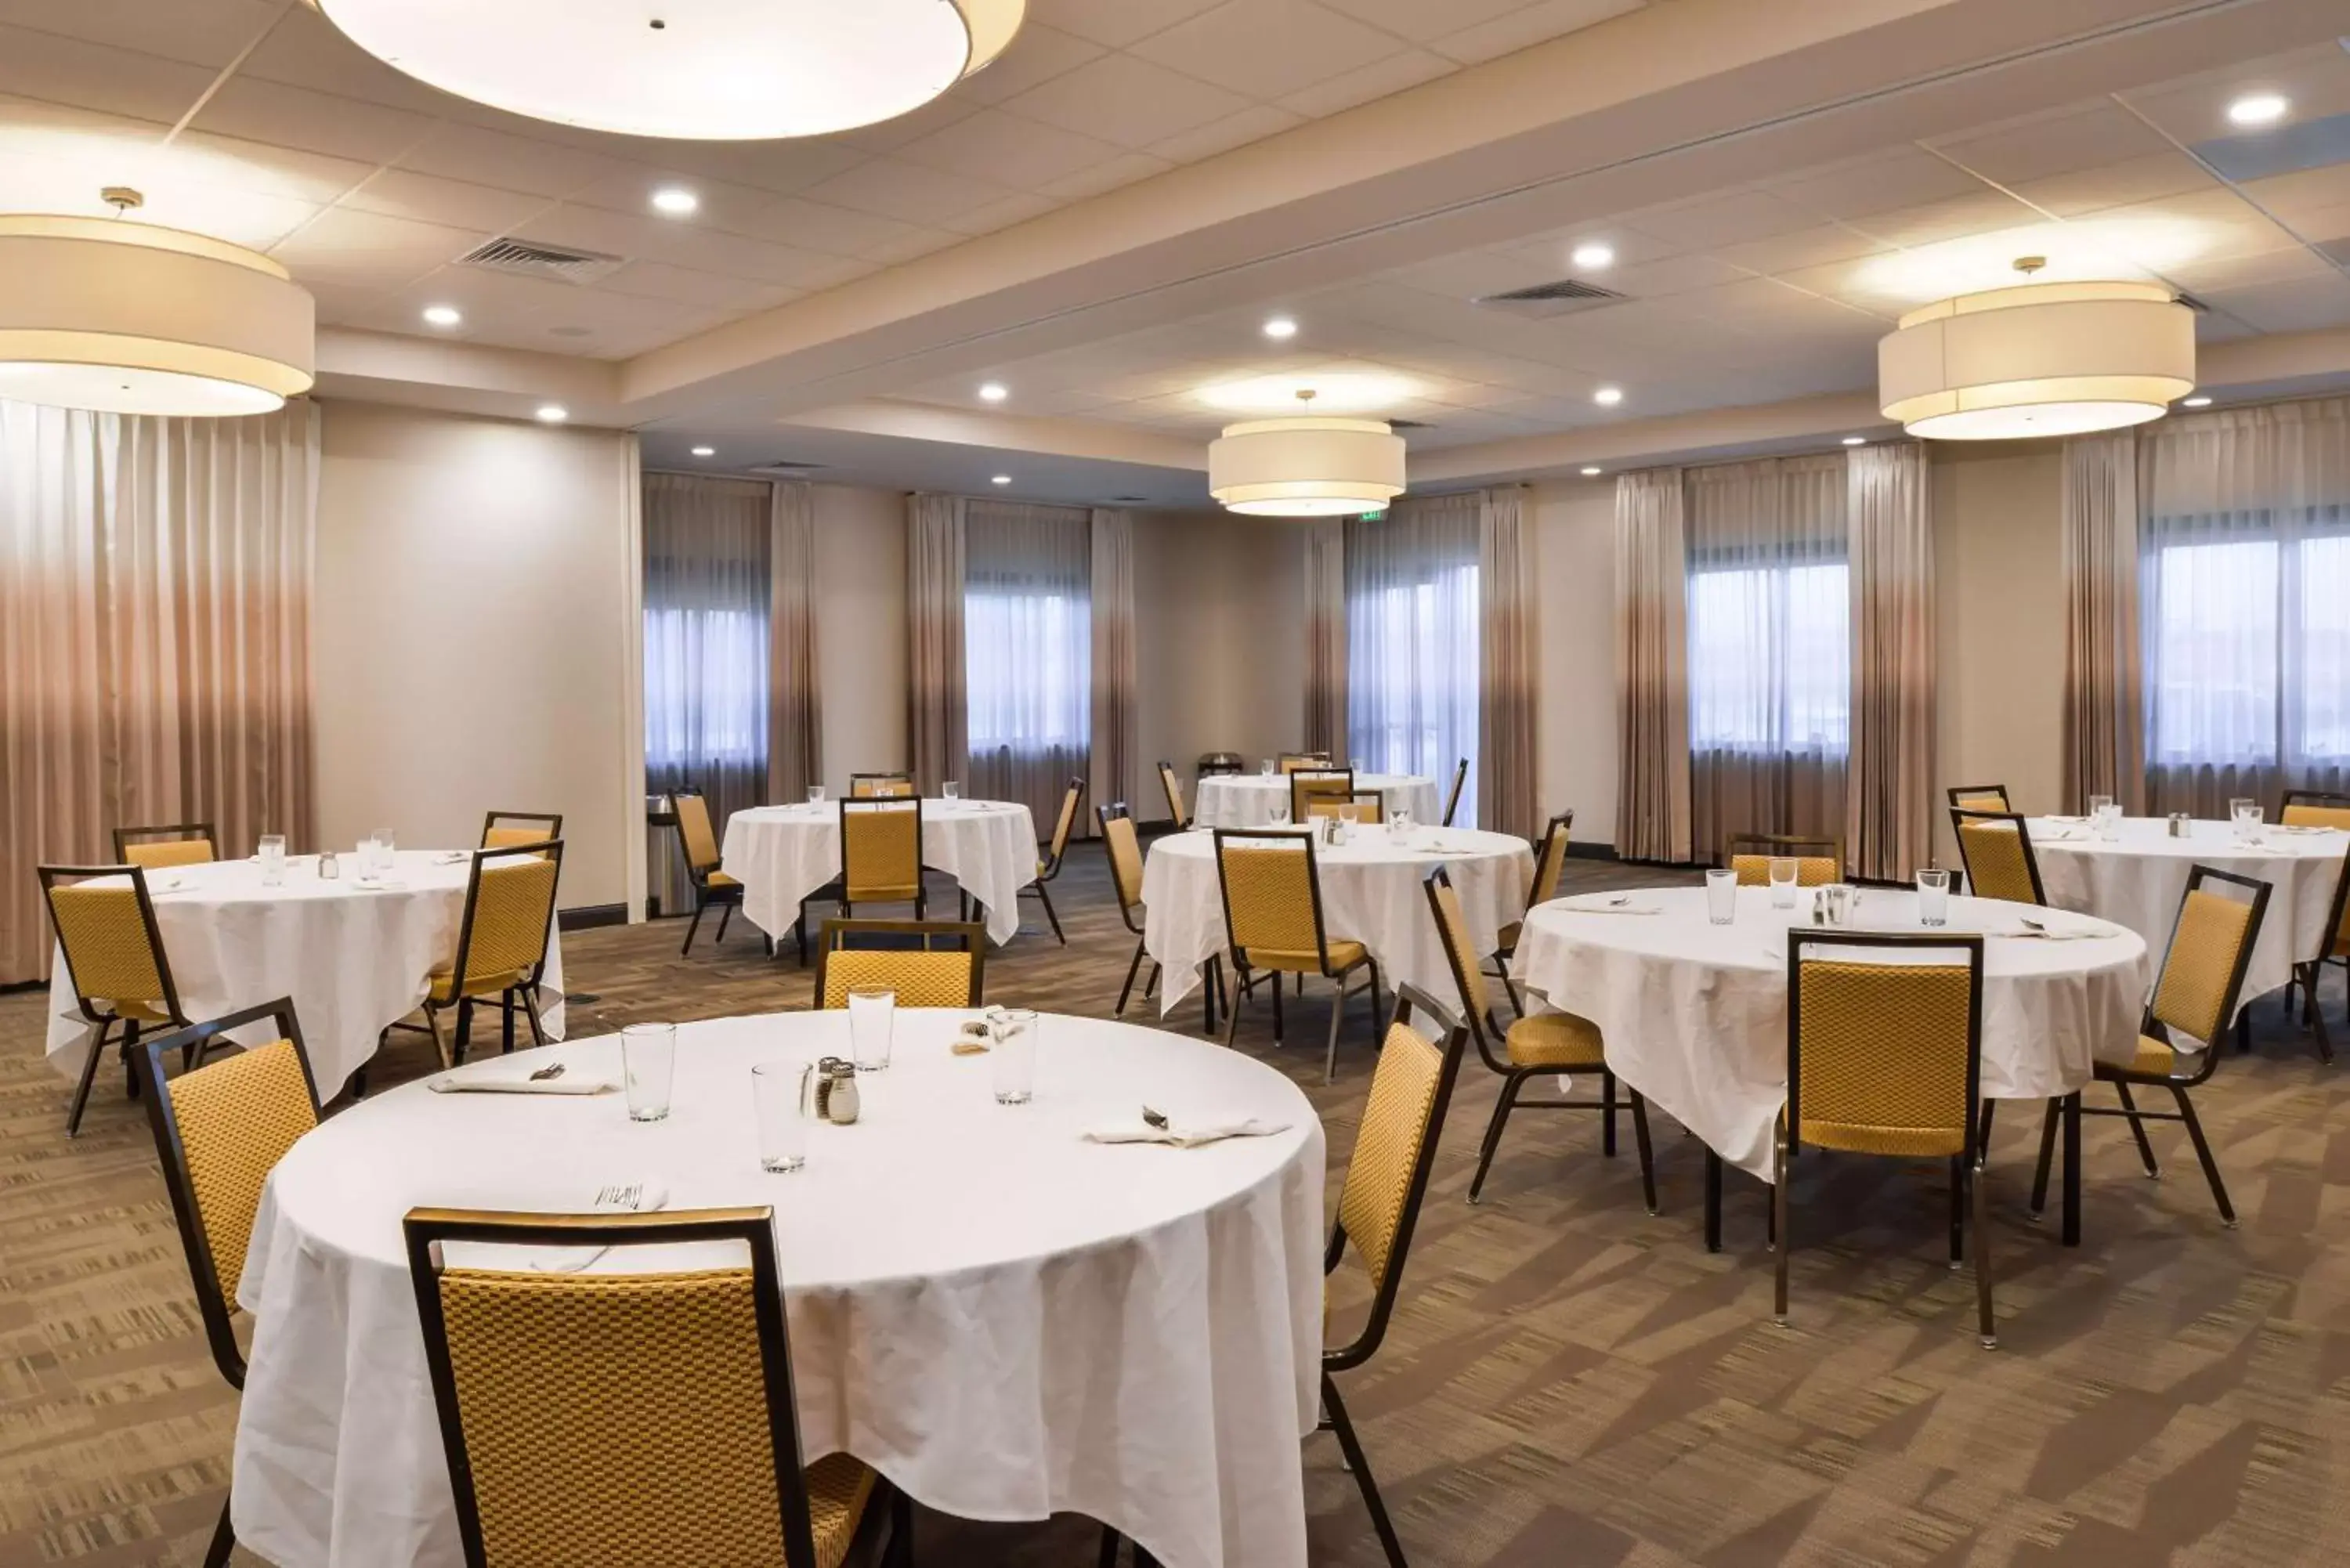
(786, 466)
(1561, 297)
(1128, 500)
(542, 261)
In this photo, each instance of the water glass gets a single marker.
(386, 844)
(1279, 815)
(815, 795)
(648, 1058)
(1402, 819)
(1934, 897)
(1264, 768)
(273, 860)
(1722, 897)
(951, 790)
(872, 1019)
(1783, 883)
(1013, 1059)
(2109, 821)
(2248, 823)
(2097, 803)
(2179, 825)
(1835, 904)
(776, 1100)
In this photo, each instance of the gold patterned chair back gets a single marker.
(1396, 1142)
(1174, 788)
(636, 1417)
(160, 854)
(1996, 849)
(1883, 1056)
(2204, 968)
(1818, 861)
(695, 831)
(1307, 785)
(1366, 806)
(512, 829)
(1291, 762)
(509, 909)
(1125, 855)
(1460, 948)
(1551, 864)
(2317, 811)
(113, 951)
(1064, 825)
(1980, 797)
(928, 963)
(1268, 882)
(880, 787)
(881, 849)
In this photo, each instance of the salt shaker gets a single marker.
(836, 1097)
(328, 869)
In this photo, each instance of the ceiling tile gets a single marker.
(1123, 99)
(1037, 54)
(369, 249)
(1114, 24)
(927, 121)
(755, 259)
(1882, 182)
(1951, 219)
(2310, 195)
(510, 163)
(1406, 69)
(820, 226)
(2298, 305)
(913, 242)
(907, 191)
(89, 76)
(1251, 124)
(1528, 26)
(1264, 48)
(2206, 275)
(1673, 275)
(1017, 208)
(781, 167)
(1805, 247)
(197, 32)
(271, 112)
(631, 234)
(2205, 227)
(1108, 176)
(256, 166)
(1419, 21)
(2316, 80)
(307, 50)
(723, 204)
(1727, 219)
(1021, 153)
(682, 285)
(2116, 184)
(2060, 142)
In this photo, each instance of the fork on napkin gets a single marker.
(511, 1078)
(637, 1197)
(1606, 904)
(2040, 930)
(1154, 1127)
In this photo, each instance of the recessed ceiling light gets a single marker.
(676, 201)
(705, 451)
(1594, 256)
(1281, 326)
(552, 414)
(1590, 473)
(1855, 440)
(1608, 397)
(2258, 109)
(2197, 402)
(994, 392)
(443, 315)
(1000, 478)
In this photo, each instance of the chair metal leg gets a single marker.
(464, 1026)
(1958, 1209)
(89, 1077)
(2203, 1153)
(2047, 1153)
(725, 913)
(1337, 1016)
(1352, 1448)
(224, 1541)
(1783, 1241)
(1510, 989)
(799, 933)
(1606, 1113)
(1277, 1020)
(1986, 1323)
(506, 1022)
(1982, 1130)
(530, 1011)
(1232, 1007)
(1379, 1010)
(691, 927)
(2137, 1131)
(1131, 970)
(130, 1043)
(440, 1041)
(1501, 1108)
(1150, 986)
(2071, 1198)
(1045, 898)
(1647, 1154)
(1713, 1201)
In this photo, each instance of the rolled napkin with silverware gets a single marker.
(1157, 1126)
(1608, 904)
(520, 1078)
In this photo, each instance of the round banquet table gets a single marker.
(1247, 800)
(353, 955)
(1005, 1318)
(1370, 894)
(2137, 878)
(1695, 1014)
(781, 853)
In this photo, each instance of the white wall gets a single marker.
(476, 634)
(1574, 563)
(861, 620)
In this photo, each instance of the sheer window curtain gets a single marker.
(1028, 652)
(1414, 647)
(709, 587)
(936, 712)
(1770, 649)
(155, 582)
(1117, 716)
(2244, 604)
(1652, 653)
(1890, 814)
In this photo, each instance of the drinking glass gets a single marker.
(1934, 896)
(872, 1016)
(1264, 768)
(815, 795)
(1783, 883)
(1402, 819)
(1279, 817)
(1722, 897)
(776, 1100)
(273, 860)
(386, 843)
(648, 1057)
(2247, 821)
(951, 790)
(1013, 1059)
(2097, 803)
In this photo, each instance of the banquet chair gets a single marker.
(1125, 851)
(1363, 805)
(1885, 1057)
(1995, 848)
(1306, 784)
(1290, 762)
(1174, 788)
(2333, 947)
(505, 829)
(2302, 808)
(881, 853)
(1273, 920)
(1048, 865)
(632, 1417)
(698, 841)
(115, 962)
(882, 786)
(1550, 863)
(1535, 1044)
(928, 963)
(218, 1130)
(502, 940)
(182, 844)
(1452, 797)
(1818, 861)
(2195, 995)
(1979, 797)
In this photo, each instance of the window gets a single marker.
(1028, 648)
(2248, 648)
(720, 657)
(1413, 636)
(1771, 659)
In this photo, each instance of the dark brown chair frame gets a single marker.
(1452, 797)
(1960, 818)
(1315, 775)
(1176, 815)
(548, 823)
(916, 935)
(173, 833)
(1956, 793)
(1785, 847)
(726, 897)
(49, 876)
(896, 775)
(1244, 984)
(1051, 852)
(1560, 826)
(2307, 973)
(527, 991)
(1106, 815)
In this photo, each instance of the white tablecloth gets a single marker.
(353, 958)
(2138, 877)
(1370, 894)
(781, 853)
(1695, 1014)
(1006, 1320)
(1246, 800)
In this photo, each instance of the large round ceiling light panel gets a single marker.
(129, 318)
(1308, 467)
(698, 70)
(2039, 359)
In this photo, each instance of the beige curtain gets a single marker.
(936, 716)
(1652, 794)
(1889, 796)
(155, 580)
(795, 707)
(2103, 722)
(1508, 690)
(1326, 636)
(1117, 737)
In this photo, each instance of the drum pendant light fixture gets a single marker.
(129, 318)
(2037, 360)
(698, 70)
(1309, 466)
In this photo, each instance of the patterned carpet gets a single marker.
(1568, 1381)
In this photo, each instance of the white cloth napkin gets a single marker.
(514, 1079)
(1598, 904)
(382, 885)
(1186, 1134)
(451, 856)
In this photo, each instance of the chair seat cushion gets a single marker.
(839, 1489)
(140, 1012)
(1510, 934)
(2153, 1059)
(1554, 1039)
(443, 989)
(720, 879)
(1907, 1143)
(1343, 956)
(885, 893)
